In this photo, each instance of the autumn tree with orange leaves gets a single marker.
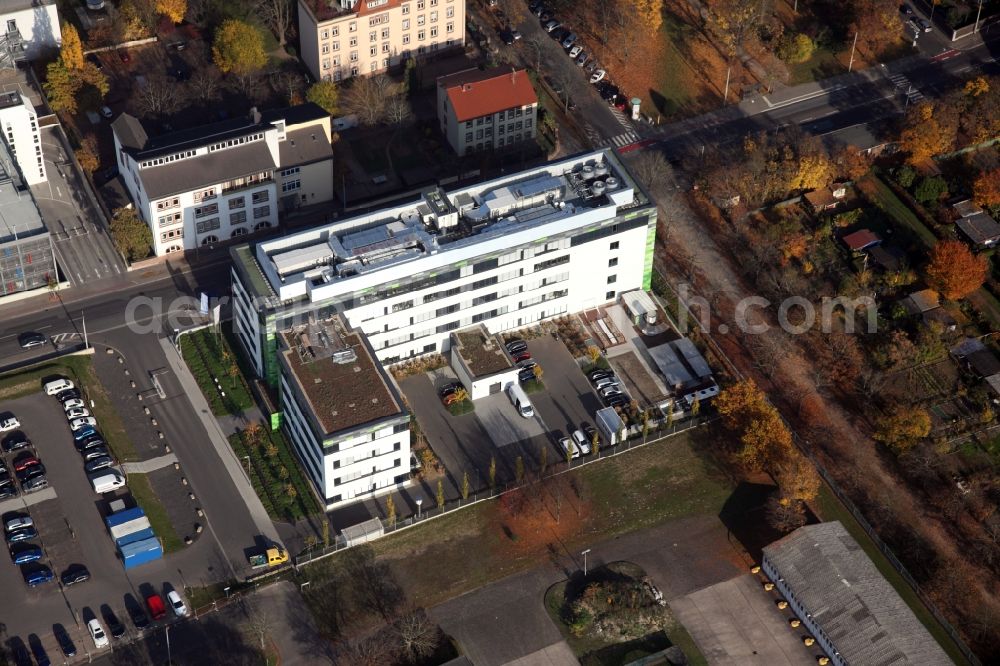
(954, 271)
(764, 438)
(924, 137)
(986, 188)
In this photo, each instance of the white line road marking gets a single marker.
(796, 100)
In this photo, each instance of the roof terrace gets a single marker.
(343, 383)
(483, 354)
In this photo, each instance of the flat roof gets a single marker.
(859, 611)
(483, 354)
(441, 228)
(19, 215)
(343, 390)
(680, 363)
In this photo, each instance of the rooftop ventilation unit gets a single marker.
(601, 169)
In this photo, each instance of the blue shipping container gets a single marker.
(123, 517)
(141, 552)
(141, 535)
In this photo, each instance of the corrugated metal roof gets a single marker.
(854, 605)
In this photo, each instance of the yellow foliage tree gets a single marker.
(814, 171)
(648, 13)
(903, 428)
(764, 438)
(238, 48)
(172, 9)
(87, 154)
(71, 51)
(61, 87)
(797, 478)
(977, 86)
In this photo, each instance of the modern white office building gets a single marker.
(19, 124)
(507, 253)
(343, 412)
(225, 180)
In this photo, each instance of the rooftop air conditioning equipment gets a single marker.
(598, 187)
(601, 169)
(612, 183)
(588, 172)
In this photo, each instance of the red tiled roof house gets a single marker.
(486, 109)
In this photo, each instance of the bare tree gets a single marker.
(370, 651)
(536, 48)
(258, 622)
(418, 636)
(204, 86)
(158, 96)
(651, 168)
(289, 85)
(398, 110)
(368, 98)
(250, 85)
(277, 14)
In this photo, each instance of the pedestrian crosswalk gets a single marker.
(903, 84)
(621, 140)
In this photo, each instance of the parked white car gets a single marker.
(9, 423)
(76, 424)
(97, 633)
(180, 610)
(575, 51)
(598, 76)
(73, 403)
(77, 413)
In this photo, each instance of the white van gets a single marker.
(105, 481)
(520, 400)
(57, 385)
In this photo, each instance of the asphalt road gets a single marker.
(83, 247)
(829, 105)
(106, 315)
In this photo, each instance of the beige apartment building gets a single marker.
(344, 38)
(487, 109)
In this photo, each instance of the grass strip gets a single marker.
(830, 508)
(145, 497)
(879, 193)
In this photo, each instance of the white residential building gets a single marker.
(487, 109)
(19, 124)
(344, 38)
(221, 181)
(31, 25)
(506, 253)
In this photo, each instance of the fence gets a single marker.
(848, 504)
(339, 542)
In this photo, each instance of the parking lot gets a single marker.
(68, 517)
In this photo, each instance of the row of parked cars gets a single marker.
(569, 41)
(20, 533)
(97, 459)
(28, 469)
(608, 387)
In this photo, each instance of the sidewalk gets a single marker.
(218, 439)
(151, 465)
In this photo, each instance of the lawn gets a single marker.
(831, 509)
(270, 483)
(210, 358)
(144, 496)
(823, 64)
(467, 549)
(80, 369)
(878, 193)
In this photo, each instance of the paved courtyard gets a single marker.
(736, 622)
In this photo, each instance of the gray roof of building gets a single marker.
(130, 132)
(979, 227)
(19, 216)
(303, 146)
(861, 614)
(218, 167)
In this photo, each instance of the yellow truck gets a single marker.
(271, 557)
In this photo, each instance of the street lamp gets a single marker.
(166, 631)
(420, 501)
(584, 553)
(226, 590)
(247, 459)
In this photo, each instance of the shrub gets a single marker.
(930, 190)
(796, 48)
(905, 176)
(461, 407)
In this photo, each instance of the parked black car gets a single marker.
(64, 640)
(68, 394)
(31, 339)
(15, 441)
(115, 628)
(77, 573)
